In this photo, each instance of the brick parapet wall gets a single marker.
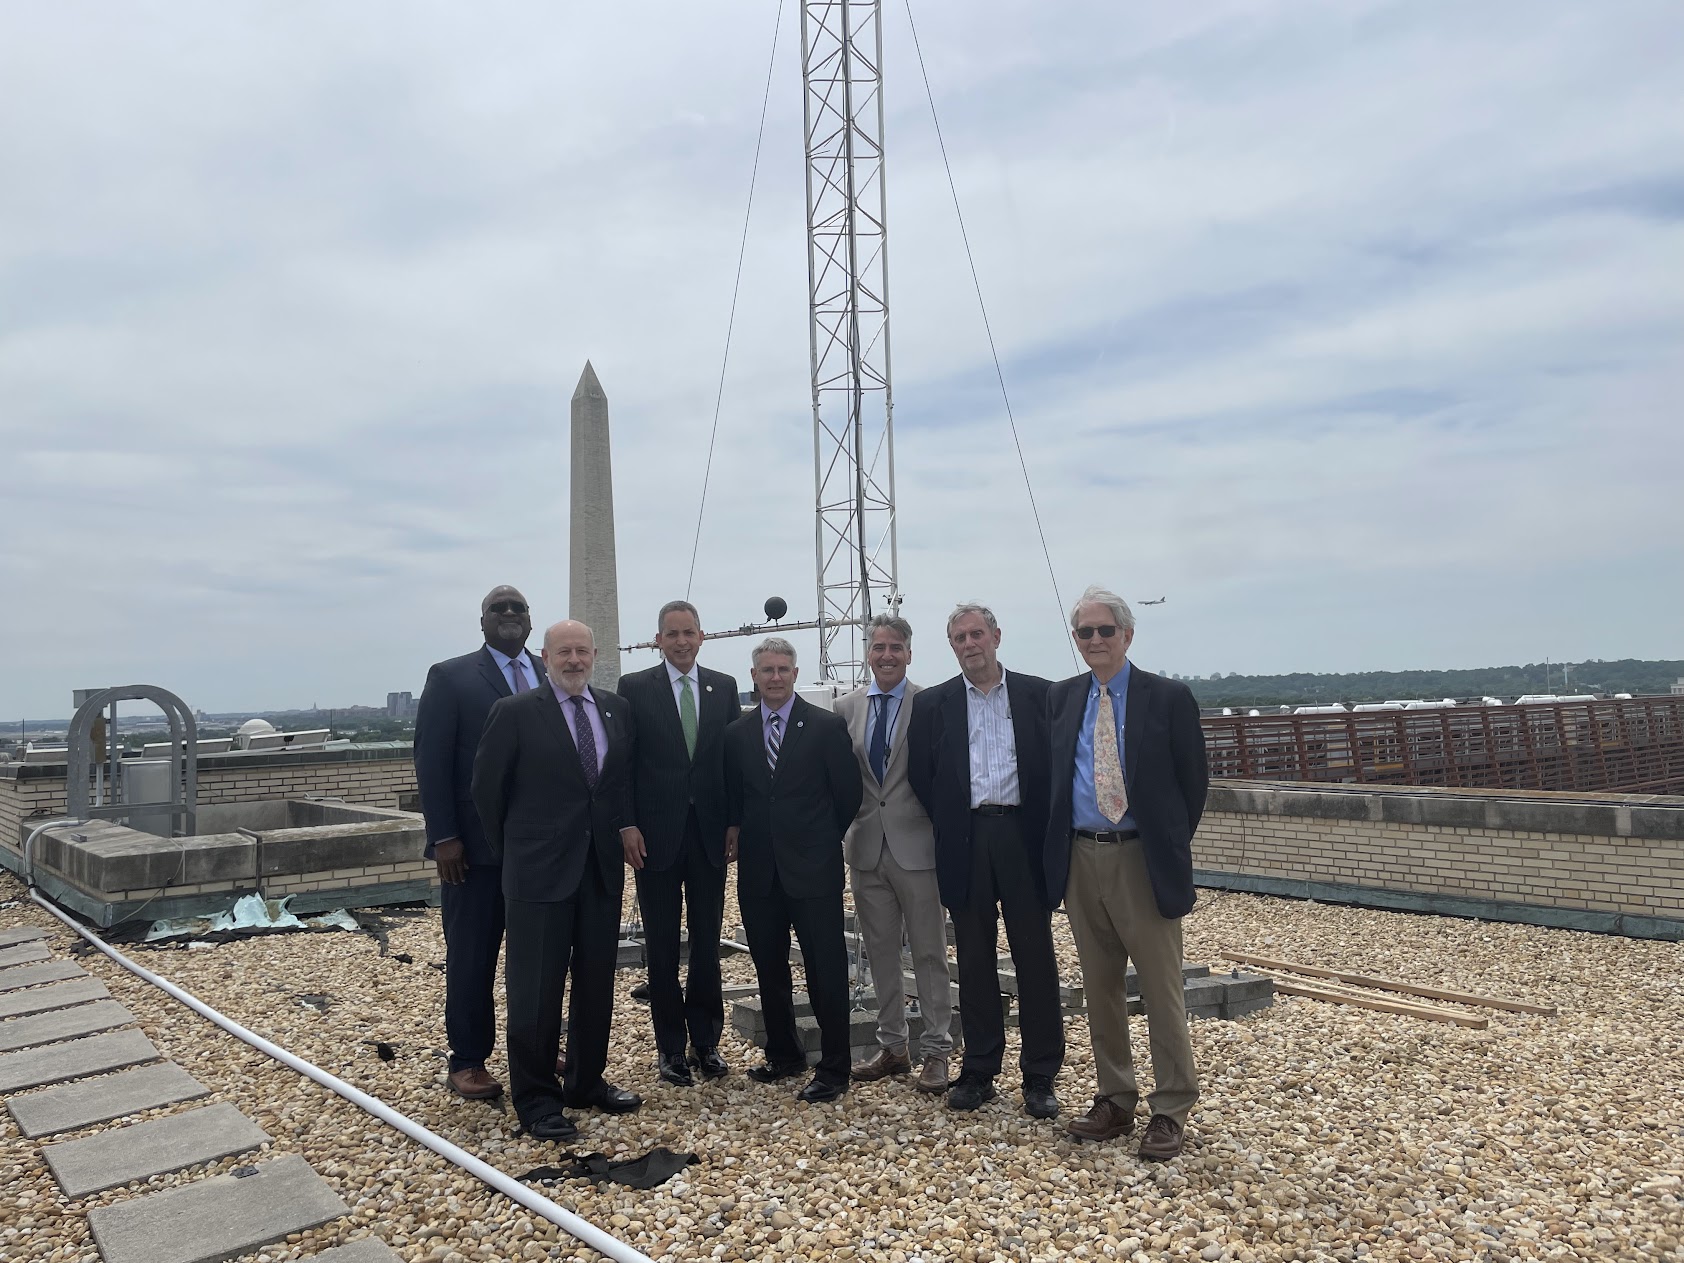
(378, 776)
(1490, 852)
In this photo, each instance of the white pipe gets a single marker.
(513, 1189)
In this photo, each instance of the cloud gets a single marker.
(1350, 328)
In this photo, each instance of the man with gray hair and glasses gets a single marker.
(1128, 787)
(892, 852)
(977, 759)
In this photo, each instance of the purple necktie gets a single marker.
(515, 669)
(586, 739)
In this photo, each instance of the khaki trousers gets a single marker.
(1115, 919)
(891, 899)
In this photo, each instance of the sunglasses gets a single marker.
(1106, 631)
(506, 607)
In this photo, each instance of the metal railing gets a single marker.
(1633, 745)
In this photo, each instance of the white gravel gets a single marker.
(1325, 1132)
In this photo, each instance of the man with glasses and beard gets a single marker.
(458, 696)
(1128, 787)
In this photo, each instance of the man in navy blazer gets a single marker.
(977, 759)
(459, 694)
(1128, 788)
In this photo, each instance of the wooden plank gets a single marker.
(1382, 1006)
(1392, 984)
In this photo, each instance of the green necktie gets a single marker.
(687, 714)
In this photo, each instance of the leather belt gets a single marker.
(1116, 835)
(995, 809)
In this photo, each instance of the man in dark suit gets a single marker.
(454, 704)
(553, 787)
(681, 711)
(977, 752)
(792, 789)
(1129, 783)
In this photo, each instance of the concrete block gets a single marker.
(59, 995)
(1242, 988)
(218, 1218)
(1204, 993)
(1234, 1009)
(1131, 980)
(138, 1152)
(23, 954)
(73, 1105)
(27, 934)
(631, 955)
(61, 1024)
(37, 1067)
(367, 1250)
(378, 840)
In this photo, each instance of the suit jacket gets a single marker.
(939, 767)
(667, 781)
(1163, 766)
(458, 696)
(890, 812)
(542, 819)
(792, 822)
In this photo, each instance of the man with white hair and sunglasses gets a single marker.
(1128, 787)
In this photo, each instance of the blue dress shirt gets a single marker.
(505, 664)
(1084, 799)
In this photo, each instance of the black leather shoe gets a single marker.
(971, 1092)
(821, 1090)
(552, 1127)
(710, 1064)
(641, 992)
(1038, 1098)
(675, 1070)
(772, 1071)
(607, 1098)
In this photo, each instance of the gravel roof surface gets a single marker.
(1325, 1132)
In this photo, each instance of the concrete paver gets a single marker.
(23, 954)
(27, 934)
(35, 975)
(37, 1067)
(60, 995)
(366, 1250)
(61, 1024)
(121, 1154)
(215, 1219)
(87, 1101)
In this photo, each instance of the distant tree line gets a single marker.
(1625, 675)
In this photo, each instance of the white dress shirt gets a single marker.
(674, 675)
(993, 745)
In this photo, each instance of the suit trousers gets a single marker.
(545, 940)
(892, 901)
(1002, 887)
(767, 921)
(1115, 918)
(472, 912)
(691, 890)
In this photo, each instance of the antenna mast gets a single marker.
(848, 302)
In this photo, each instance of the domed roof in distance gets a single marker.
(256, 727)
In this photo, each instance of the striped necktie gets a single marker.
(774, 740)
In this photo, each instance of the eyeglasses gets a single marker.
(1105, 630)
(506, 607)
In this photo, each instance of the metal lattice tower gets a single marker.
(848, 297)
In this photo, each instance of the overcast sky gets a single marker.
(1355, 330)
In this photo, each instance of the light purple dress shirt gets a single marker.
(571, 712)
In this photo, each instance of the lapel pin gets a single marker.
(800, 723)
(608, 714)
(709, 688)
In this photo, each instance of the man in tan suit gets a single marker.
(891, 851)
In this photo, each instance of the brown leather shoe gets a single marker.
(1162, 1140)
(1106, 1120)
(933, 1077)
(888, 1061)
(474, 1084)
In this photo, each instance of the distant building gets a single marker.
(1678, 689)
(400, 705)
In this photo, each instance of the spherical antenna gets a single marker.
(776, 607)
